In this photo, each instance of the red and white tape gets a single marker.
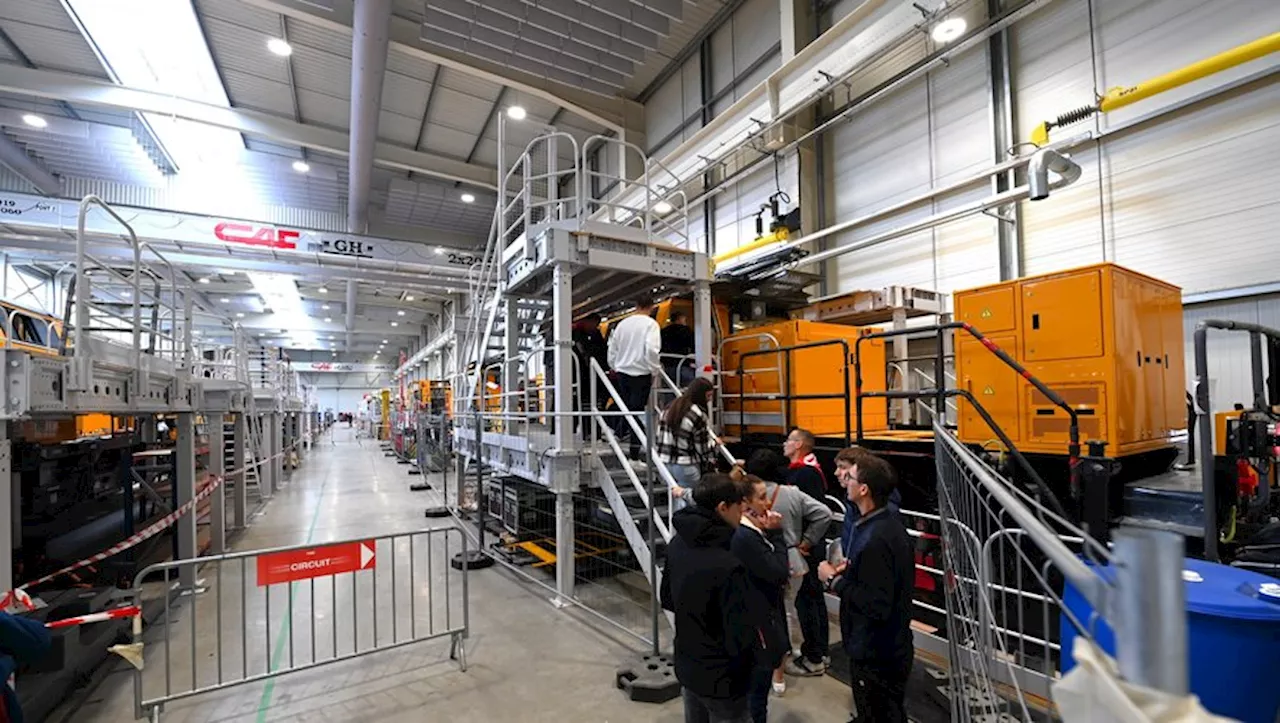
(112, 614)
(19, 594)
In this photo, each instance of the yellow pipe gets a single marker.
(1120, 97)
(770, 238)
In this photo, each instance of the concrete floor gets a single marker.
(527, 660)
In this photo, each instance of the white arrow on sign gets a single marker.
(366, 556)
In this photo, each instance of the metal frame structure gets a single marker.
(129, 348)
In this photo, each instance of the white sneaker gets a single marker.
(779, 688)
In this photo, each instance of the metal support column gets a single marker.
(565, 483)
(217, 468)
(900, 354)
(510, 350)
(703, 338)
(1003, 125)
(271, 432)
(184, 485)
(240, 440)
(8, 530)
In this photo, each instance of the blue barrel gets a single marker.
(1233, 638)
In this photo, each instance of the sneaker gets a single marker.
(779, 688)
(804, 667)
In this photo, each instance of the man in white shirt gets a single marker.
(634, 344)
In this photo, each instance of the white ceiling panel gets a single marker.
(323, 72)
(252, 91)
(324, 109)
(404, 94)
(459, 110)
(447, 141)
(463, 83)
(406, 64)
(398, 129)
(317, 37)
(241, 49)
(95, 151)
(239, 13)
(54, 48)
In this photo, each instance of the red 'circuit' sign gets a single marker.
(293, 565)
(250, 235)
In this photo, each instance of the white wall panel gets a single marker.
(737, 205)
(1173, 187)
(927, 134)
(1229, 360)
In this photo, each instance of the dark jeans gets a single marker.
(698, 709)
(811, 613)
(758, 695)
(879, 694)
(635, 394)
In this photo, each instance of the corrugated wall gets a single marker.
(1199, 179)
(1229, 360)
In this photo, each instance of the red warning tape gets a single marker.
(113, 614)
(19, 594)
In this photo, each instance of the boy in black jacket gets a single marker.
(874, 584)
(760, 545)
(719, 614)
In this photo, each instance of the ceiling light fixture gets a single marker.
(439, 251)
(517, 112)
(225, 300)
(239, 314)
(468, 198)
(395, 323)
(409, 297)
(301, 166)
(384, 341)
(328, 320)
(35, 121)
(948, 30)
(203, 279)
(323, 289)
(662, 208)
(280, 47)
(400, 312)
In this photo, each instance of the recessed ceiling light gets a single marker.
(395, 323)
(225, 300)
(328, 319)
(323, 289)
(324, 306)
(384, 341)
(280, 47)
(400, 312)
(517, 112)
(203, 279)
(409, 297)
(949, 29)
(662, 208)
(468, 198)
(301, 166)
(332, 337)
(35, 121)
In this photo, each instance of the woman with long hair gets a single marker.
(684, 442)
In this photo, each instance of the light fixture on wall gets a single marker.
(947, 30)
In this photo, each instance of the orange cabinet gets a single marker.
(1107, 339)
(766, 390)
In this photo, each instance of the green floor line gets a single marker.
(276, 654)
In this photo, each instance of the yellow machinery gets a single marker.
(1107, 339)
(813, 377)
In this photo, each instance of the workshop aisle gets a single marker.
(520, 646)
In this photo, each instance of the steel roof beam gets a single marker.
(406, 38)
(518, 28)
(15, 157)
(78, 89)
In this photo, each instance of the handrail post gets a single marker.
(649, 420)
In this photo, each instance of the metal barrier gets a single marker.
(1006, 560)
(267, 613)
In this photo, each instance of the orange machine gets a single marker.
(810, 380)
(1108, 339)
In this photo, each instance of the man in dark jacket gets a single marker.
(677, 341)
(718, 612)
(874, 584)
(761, 545)
(804, 472)
(22, 640)
(588, 344)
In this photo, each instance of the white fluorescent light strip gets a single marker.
(280, 292)
(173, 59)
